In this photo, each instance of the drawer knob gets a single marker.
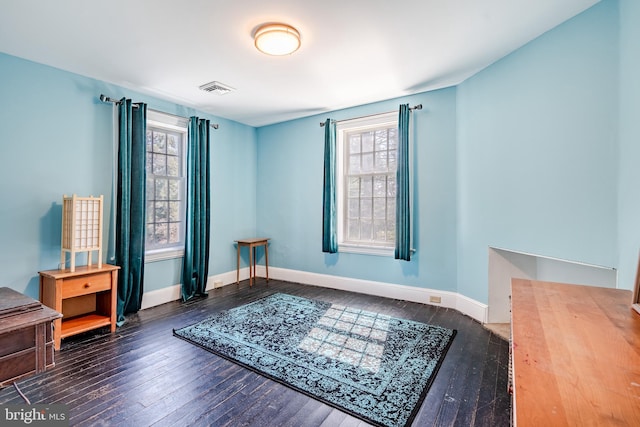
(87, 285)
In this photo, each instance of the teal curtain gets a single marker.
(329, 213)
(403, 214)
(195, 268)
(130, 210)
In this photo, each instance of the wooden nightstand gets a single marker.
(87, 298)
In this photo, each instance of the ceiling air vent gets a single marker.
(216, 87)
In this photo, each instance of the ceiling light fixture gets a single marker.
(277, 39)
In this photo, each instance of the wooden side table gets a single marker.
(86, 297)
(252, 244)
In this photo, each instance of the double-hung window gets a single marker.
(366, 184)
(165, 199)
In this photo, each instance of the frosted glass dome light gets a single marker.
(277, 39)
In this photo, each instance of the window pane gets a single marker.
(393, 139)
(354, 164)
(149, 212)
(354, 144)
(381, 161)
(174, 232)
(173, 145)
(393, 161)
(391, 186)
(366, 229)
(161, 209)
(174, 211)
(161, 234)
(379, 230)
(161, 189)
(391, 210)
(380, 186)
(366, 189)
(381, 140)
(173, 166)
(391, 230)
(353, 232)
(174, 190)
(150, 235)
(149, 140)
(379, 208)
(354, 187)
(150, 189)
(367, 162)
(354, 208)
(367, 142)
(159, 142)
(149, 162)
(366, 208)
(159, 164)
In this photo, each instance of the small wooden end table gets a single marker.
(252, 244)
(87, 298)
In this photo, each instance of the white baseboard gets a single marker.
(472, 308)
(173, 293)
(160, 296)
(465, 305)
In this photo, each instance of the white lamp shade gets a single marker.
(277, 39)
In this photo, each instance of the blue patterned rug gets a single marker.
(375, 367)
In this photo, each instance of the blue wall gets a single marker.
(536, 153)
(629, 183)
(57, 138)
(522, 156)
(290, 174)
(537, 150)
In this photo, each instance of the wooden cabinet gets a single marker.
(26, 339)
(86, 297)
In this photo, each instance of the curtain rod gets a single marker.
(105, 98)
(415, 107)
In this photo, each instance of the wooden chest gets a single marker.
(26, 336)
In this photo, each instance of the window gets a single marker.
(165, 200)
(367, 161)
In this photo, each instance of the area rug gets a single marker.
(373, 366)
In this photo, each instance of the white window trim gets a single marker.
(163, 119)
(178, 124)
(366, 249)
(163, 254)
(358, 124)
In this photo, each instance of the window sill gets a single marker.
(366, 250)
(163, 254)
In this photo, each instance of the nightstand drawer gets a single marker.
(84, 285)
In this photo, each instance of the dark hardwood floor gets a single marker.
(142, 375)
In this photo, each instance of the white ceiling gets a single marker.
(353, 51)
